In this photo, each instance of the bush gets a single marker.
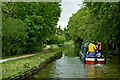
(56, 39)
(13, 36)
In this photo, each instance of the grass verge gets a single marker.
(5, 57)
(15, 67)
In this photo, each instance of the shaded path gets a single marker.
(43, 50)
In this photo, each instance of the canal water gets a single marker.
(70, 66)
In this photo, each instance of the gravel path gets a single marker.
(43, 50)
(47, 47)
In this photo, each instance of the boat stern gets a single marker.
(95, 60)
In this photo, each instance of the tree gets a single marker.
(39, 18)
(13, 37)
(97, 21)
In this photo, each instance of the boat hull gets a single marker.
(94, 60)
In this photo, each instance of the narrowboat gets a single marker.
(91, 58)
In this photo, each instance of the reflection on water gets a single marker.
(95, 71)
(70, 51)
(109, 70)
(64, 68)
(70, 66)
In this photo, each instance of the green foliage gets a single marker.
(60, 39)
(59, 31)
(40, 18)
(97, 21)
(56, 39)
(13, 36)
(26, 64)
(54, 48)
(69, 42)
(67, 34)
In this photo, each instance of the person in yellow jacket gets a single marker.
(91, 48)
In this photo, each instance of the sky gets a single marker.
(68, 8)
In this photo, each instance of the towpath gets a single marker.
(43, 50)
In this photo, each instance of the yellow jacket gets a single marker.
(91, 47)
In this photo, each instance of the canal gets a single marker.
(70, 66)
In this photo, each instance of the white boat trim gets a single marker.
(92, 59)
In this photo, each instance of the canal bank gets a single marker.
(70, 66)
(35, 69)
(25, 67)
